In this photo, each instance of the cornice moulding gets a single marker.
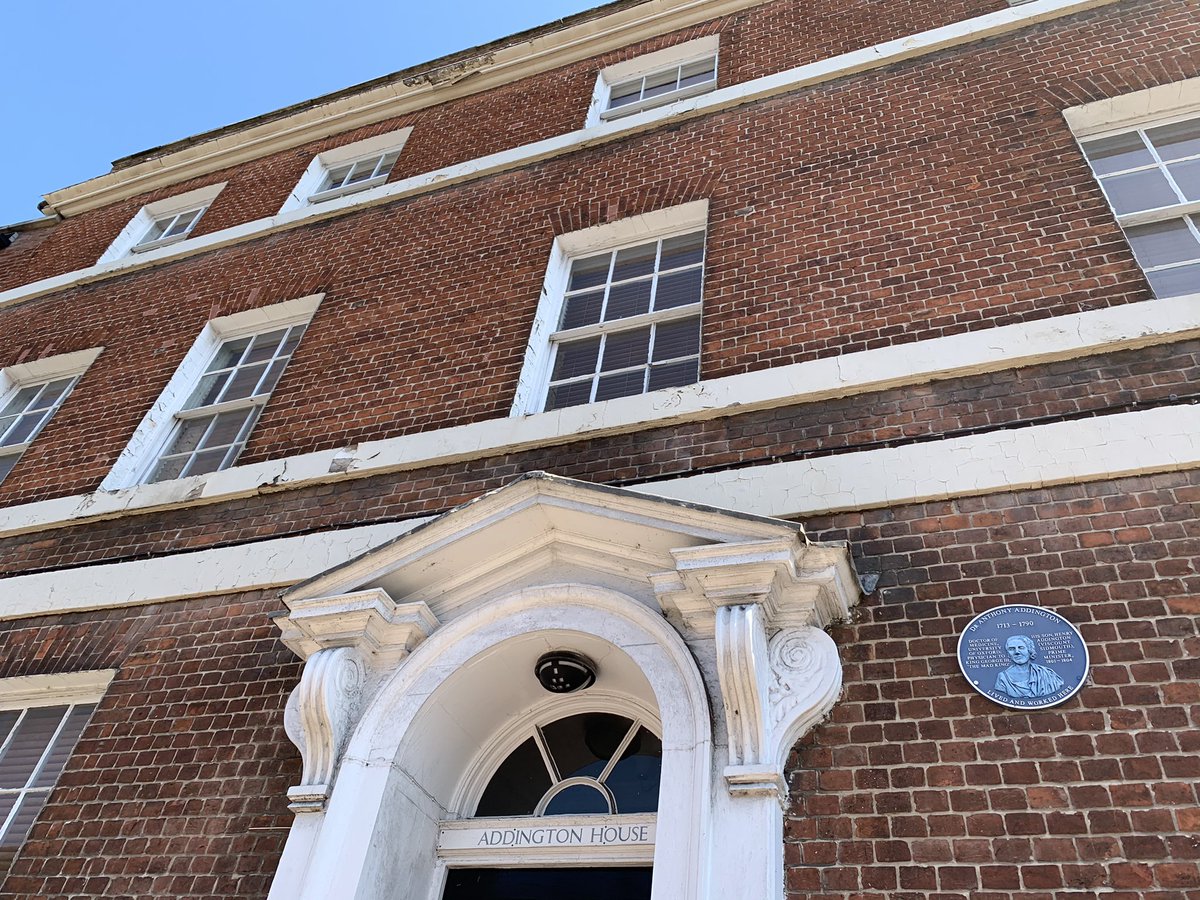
(500, 67)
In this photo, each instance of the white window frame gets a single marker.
(650, 64)
(308, 188)
(130, 239)
(1137, 112)
(38, 691)
(534, 379)
(157, 427)
(43, 371)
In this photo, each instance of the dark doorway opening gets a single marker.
(547, 884)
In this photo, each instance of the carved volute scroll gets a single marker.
(806, 678)
(349, 643)
(319, 715)
(779, 673)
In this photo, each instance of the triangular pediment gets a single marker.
(540, 523)
(683, 560)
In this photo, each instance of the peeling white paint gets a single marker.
(1157, 440)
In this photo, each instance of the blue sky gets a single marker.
(88, 82)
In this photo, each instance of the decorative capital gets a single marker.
(370, 621)
(795, 583)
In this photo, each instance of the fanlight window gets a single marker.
(588, 763)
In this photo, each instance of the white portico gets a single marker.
(418, 711)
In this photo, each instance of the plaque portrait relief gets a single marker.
(1025, 678)
(1023, 657)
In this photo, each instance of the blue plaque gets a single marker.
(1023, 657)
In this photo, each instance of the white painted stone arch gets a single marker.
(375, 839)
(715, 618)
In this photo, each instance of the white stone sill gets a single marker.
(996, 349)
(874, 57)
(1166, 439)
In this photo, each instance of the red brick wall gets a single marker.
(1099, 385)
(758, 41)
(177, 787)
(914, 787)
(917, 786)
(928, 199)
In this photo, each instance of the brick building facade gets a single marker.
(275, 402)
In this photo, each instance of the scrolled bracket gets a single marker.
(320, 714)
(773, 692)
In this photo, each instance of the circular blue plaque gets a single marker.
(1023, 657)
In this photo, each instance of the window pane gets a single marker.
(1187, 177)
(675, 339)
(63, 745)
(28, 743)
(168, 469)
(361, 171)
(660, 83)
(625, 93)
(208, 390)
(205, 462)
(386, 164)
(518, 784)
(294, 334)
(583, 744)
(1175, 282)
(24, 428)
(8, 718)
(576, 358)
(190, 433)
(337, 176)
(228, 354)
(564, 395)
(629, 299)
(244, 382)
(578, 799)
(685, 250)
(226, 428)
(20, 401)
(53, 392)
(635, 779)
(589, 272)
(582, 309)
(1177, 140)
(1163, 243)
(674, 375)
(634, 261)
(182, 223)
(698, 72)
(625, 349)
(622, 385)
(679, 289)
(1113, 154)
(155, 232)
(7, 461)
(273, 375)
(19, 825)
(263, 346)
(1139, 190)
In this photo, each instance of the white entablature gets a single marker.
(419, 657)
